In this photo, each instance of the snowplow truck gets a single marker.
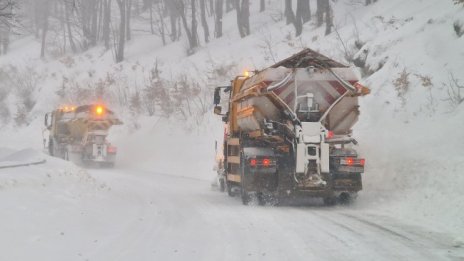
(79, 134)
(288, 131)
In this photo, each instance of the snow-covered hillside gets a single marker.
(410, 130)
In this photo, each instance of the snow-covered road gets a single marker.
(137, 215)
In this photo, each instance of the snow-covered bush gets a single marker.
(401, 85)
(455, 91)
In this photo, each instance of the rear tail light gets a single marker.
(352, 161)
(329, 134)
(111, 150)
(253, 162)
(264, 162)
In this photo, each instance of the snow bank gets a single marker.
(20, 158)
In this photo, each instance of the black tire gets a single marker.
(222, 185)
(229, 190)
(245, 196)
(347, 198)
(51, 150)
(243, 191)
(261, 198)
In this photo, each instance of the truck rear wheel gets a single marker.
(261, 198)
(243, 191)
(230, 192)
(222, 185)
(245, 196)
(50, 147)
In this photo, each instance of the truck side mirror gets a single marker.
(217, 96)
(217, 110)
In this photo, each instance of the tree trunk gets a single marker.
(262, 5)
(230, 5)
(44, 27)
(243, 17)
(304, 9)
(194, 25)
(246, 16)
(204, 23)
(128, 19)
(211, 7)
(152, 30)
(122, 30)
(161, 25)
(68, 25)
(173, 15)
(106, 23)
(289, 15)
(239, 18)
(94, 23)
(320, 12)
(298, 19)
(328, 18)
(218, 23)
(191, 33)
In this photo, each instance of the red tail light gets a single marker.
(329, 135)
(362, 161)
(349, 161)
(266, 162)
(260, 162)
(253, 162)
(111, 150)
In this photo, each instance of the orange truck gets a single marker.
(79, 134)
(288, 131)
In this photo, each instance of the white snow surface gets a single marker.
(157, 204)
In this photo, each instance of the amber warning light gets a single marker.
(99, 110)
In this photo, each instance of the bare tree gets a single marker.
(45, 15)
(218, 19)
(173, 16)
(192, 34)
(303, 10)
(320, 12)
(128, 19)
(160, 7)
(122, 30)
(262, 5)
(229, 5)
(106, 23)
(204, 23)
(289, 15)
(328, 18)
(6, 15)
(243, 17)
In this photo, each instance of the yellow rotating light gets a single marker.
(99, 110)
